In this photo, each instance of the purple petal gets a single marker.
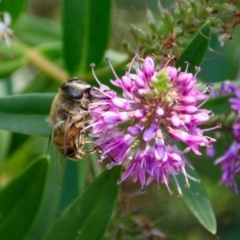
(134, 130)
(150, 133)
(148, 67)
(121, 103)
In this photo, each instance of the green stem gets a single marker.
(46, 66)
(57, 73)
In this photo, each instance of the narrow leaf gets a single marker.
(50, 202)
(86, 27)
(26, 113)
(21, 199)
(32, 103)
(88, 216)
(197, 201)
(195, 52)
(44, 30)
(82, 170)
(36, 125)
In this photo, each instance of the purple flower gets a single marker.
(230, 162)
(210, 152)
(235, 102)
(159, 107)
(228, 87)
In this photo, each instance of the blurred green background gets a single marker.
(39, 27)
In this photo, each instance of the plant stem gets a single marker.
(60, 75)
(46, 66)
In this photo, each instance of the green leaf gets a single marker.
(32, 103)
(26, 113)
(82, 170)
(26, 124)
(50, 201)
(44, 30)
(219, 105)
(86, 31)
(5, 145)
(13, 7)
(12, 58)
(21, 199)
(196, 50)
(88, 216)
(197, 201)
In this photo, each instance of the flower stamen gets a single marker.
(113, 71)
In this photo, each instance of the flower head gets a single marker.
(159, 107)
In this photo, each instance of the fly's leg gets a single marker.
(91, 150)
(99, 150)
(78, 143)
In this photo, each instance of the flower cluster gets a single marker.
(230, 161)
(140, 130)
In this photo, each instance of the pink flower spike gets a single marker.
(140, 129)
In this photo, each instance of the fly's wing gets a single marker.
(58, 158)
(61, 166)
(59, 139)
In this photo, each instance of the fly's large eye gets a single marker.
(73, 92)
